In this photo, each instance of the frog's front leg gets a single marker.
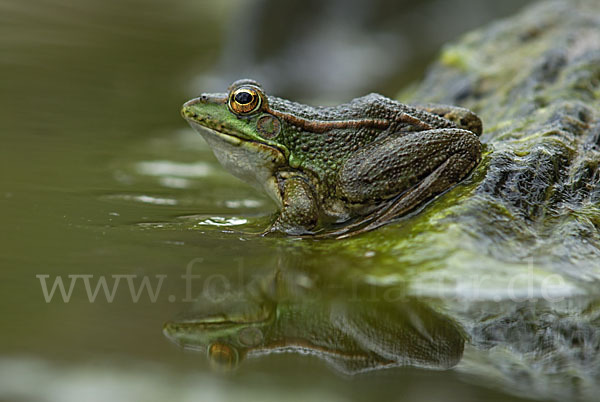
(299, 212)
(401, 172)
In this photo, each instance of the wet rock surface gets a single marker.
(535, 81)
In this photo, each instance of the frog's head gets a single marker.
(227, 332)
(240, 130)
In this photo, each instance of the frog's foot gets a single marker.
(299, 213)
(440, 180)
(463, 118)
(290, 230)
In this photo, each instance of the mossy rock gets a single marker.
(535, 81)
(533, 204)
(532, 209)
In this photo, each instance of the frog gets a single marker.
(337, 170)
(354, 330)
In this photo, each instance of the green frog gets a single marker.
(355, 330)
(337, 170)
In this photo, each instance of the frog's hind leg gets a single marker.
(432, 185)
(459, 158)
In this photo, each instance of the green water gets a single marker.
(101, 176)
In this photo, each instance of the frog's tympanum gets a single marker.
(353, 332)
(344, 169)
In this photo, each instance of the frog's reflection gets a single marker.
(355, 329)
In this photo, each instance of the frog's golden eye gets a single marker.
(244, 100)
(222, 356)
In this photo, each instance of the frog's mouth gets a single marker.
(206, 125)
(196, 332)
(255, 315)
(210, 125)
(253, 162)
(244, 153)
(220, 132)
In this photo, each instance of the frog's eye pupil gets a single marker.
(243, 98)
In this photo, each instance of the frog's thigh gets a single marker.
(391, 166)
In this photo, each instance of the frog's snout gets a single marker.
(187, 110)
(207, 99)
(199, 100)
(192, 108)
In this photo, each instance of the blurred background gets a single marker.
(101, 176)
